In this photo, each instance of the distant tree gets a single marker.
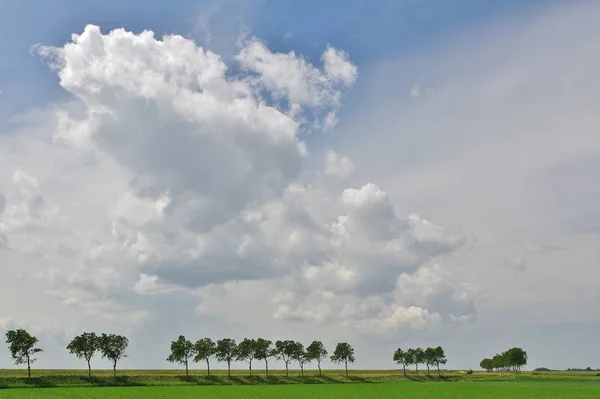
(205, 349)
(400, 358)
(409, 357)
(84, 346)
(429, 358)
(344, 353)
(114, 348)
(226, 351)
(285, 350)
(300, 356)
(487, 364)
(182, 351)
(316, 352)
(516, 358)
(264, 351)
(439, 357)
(419, 358)
(22, 347)
(246, 351)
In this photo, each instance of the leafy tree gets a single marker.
(409, 357)
(113, 347)
(429, 357)
(516, 358)
(487, 364)
(285, 350)
(22, 347)
(300, 356)
(419, 356)
(316, 352)
(226, 351)
(400, 358)
(84, 346)
(205, 349)
(343, 353)
(439, 357)
(264, 351)
(182, 351)
(246, 351)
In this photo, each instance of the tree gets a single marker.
(226, 351)
(316, 351)
(264, 351)
(246, 351)
(84, 346)
(285, 350)
(300, 356)
(182, 351)
(400, 358)
(343, 353)
(487, 364)
(22, 347)
(114, 348)
(439, 357)
(516, 358)
(429, 357)
(409, 356)
(205, 349)
(419, 358)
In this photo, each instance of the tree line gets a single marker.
(512, 359)
(249, 349)
(23, 349)
(428, 357)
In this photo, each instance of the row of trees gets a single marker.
(512, 359)
(23, 348)
(227, 350)
(428, 357)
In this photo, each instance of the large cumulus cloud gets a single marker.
(181, 176)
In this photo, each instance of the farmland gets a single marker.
(361, 384)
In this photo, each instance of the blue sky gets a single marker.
(384, 172)
(370, 31)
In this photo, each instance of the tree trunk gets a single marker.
(187, 371)
(438, 367)
(404, 369)
(89, 368)
(208, 367)
(28, 368)
(229, 368)
(319, 365)
(115, 369)
(427, 369)
(250, 365)
(267, 367)
(302, 369)
(287, 372)
(417, 368)
(346, 368)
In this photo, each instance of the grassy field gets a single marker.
(395, 389)
(360, 384)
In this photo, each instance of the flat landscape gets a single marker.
(150, 384)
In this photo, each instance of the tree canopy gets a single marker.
(182, 350)
(84, 346)
(22, 347)
(344, 353)
(114, 348)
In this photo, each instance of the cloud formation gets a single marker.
(171, 174)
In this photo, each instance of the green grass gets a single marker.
(518, 389)
(333, 384)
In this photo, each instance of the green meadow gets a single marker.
(54, 384)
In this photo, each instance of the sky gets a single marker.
(386, 173)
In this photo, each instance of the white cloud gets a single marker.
(338, 66)
(166, 181)
(338, 165)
